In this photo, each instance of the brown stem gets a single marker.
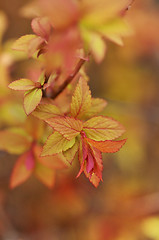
(68, 79)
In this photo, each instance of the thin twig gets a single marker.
(68, 79)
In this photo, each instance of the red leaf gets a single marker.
(107, 146)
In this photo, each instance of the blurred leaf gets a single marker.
(20, 172)
(45, 174)
(14, 143)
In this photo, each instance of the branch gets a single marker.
(68, 79)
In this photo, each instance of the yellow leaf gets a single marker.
(103, 128)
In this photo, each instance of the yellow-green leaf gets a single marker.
(103, 128)
(81, 99)
(56, 143)
(22, 84)
(71, 152)
(68, 127)
(31, 100)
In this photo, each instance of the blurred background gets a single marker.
(125, 206)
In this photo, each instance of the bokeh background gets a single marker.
(125, 206)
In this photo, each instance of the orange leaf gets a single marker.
(107, 146)
(103, 128)
(20, 171)
(66, 126)
(81, 99)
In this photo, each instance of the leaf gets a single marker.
(41, 27)
(31, 100)
(20, 172)
(34, 45)
(81, 99)
(56, 143)
(22, 84)
(13, 143)
(22, 43)
(107, 146)
(91, 162)
(97, 106)
(103, 128)
(45, 174)
(41, 79)
(46, 111)
(66, 126)
(71, 152)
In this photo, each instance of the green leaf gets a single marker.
(103, 128)
(31, 100)
(46, 111)
(56, 143)
(22, 84)
(81, 99)
(66, 126)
